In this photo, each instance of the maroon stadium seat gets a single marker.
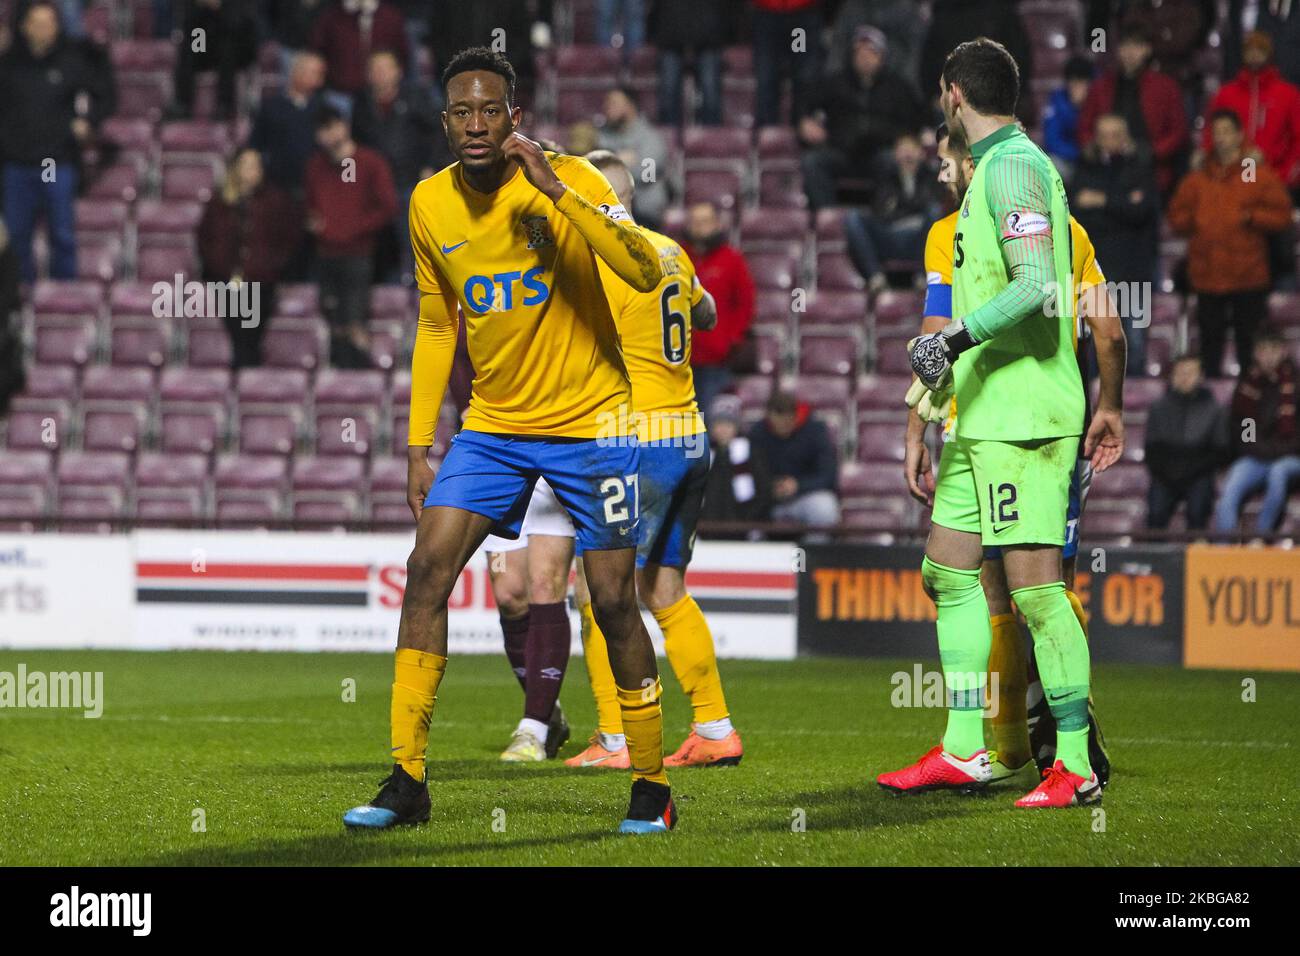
(837, 307)
(1284, 308)
(722, 187)
(68, 297)
(339, 434)
(51, 381)
(195, 427)
(32, 467)
(823, 391)
(112, 429)
(269, 433)
(235, 473)
(835, 270)
(99, 258)
(881, 441)
(106, 384)
(272, 386)
(161, 220)
(891, 356)
(195, 137)
(295, 343)
(711, 146)
(328, 473)
(774, 270)
(899, 309)
(164, 263)
(139, 340)
(208, 347)
(828, 352)
(777, 143)
(66, 341)
(121, 182)
(297, 301)
(180, 385)
(882, 393)
(143, 95)
(781, 186)
(190, 180)
(142, 56)
(34, 424)
(102, 216)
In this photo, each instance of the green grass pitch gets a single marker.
(266, 747)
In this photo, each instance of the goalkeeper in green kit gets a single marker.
(1003, 478)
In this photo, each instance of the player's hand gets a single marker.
(931, 405)
(419, 478)
(932, 355)
(919, 472)
(532, 159)
(1104, 443)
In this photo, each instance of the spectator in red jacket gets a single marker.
(350, 200)
(1268, 106)
(1150, 101)
(249, 232)
(723, 272)
(1229, 208)
(348, 32)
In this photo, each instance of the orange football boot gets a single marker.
(697, 751)
(597, 756)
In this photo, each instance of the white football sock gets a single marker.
(714, 729)
(535, 727)
(612, 742)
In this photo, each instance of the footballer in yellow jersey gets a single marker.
(655, 330)
(1020, 735)
(509, 235)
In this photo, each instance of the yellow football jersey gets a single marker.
(539, 329)
(655, 329)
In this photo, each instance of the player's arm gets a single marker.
(917, 468)
(623, 246)
(704, 310)
(431, 361)
(1104, 443)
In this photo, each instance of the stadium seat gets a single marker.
(99, 258)
(713, 147)
(295, 343)
(195, 427)
(189, 180)
(139, 341)
(777, 229)
(160, 221)
(121, 181)
(194, 138)
(393, 302)
(777, 145)
(269, 432)
(830, 392)
(835, 270)
(272, 386)
(774, 270)
(23, 508)
(156, 263)
(66, 341)
(1284, 308)
(104, 383)
(753, 391)
(208, 347)
(30, 467)
(829, 229)
(722, 187)
(68, 297)
(298, 300)
(37, 424)
(781, 186)
(143, 95)
(880, 515)
(881, 441)
(180, 385)
(890, 356)
(102, 217)
(112, 429)
(830, 351)
(882, 393)
(899, 310)
(340, 434)
(158, 470)
(836, 307)
(58, 382)
(236, 475)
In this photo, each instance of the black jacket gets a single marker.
(864, 118)
(1125, 232)
(285, 135)
(689, 24)
(39, 99)
(409, 135)
(808, 455)
(730, 496)
(955, 21)
(1186, 437)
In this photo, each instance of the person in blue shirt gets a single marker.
(1061, 115)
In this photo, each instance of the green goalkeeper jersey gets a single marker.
(1012, 284)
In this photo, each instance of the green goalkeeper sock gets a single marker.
(965, 637)
(1061, 649)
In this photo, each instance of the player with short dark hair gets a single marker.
(510, 235)
(1008, 357)
(1022, 725)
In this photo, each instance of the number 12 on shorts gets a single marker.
(614, 491)
(1005, 501)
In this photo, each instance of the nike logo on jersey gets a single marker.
(448, 250)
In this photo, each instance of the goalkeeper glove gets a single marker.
(931, 404)
(932, 355)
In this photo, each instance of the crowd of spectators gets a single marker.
(1179, 123)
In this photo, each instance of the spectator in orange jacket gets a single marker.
(1150, 101)
(1229, 207)
(722, 270)
(1268, 107)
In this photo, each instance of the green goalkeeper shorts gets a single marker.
(1006, 492)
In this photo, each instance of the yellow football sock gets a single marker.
(416, 676)
(609, 718)
(643, 723)
(690, 652)
(1079, 612)
(1007, 659)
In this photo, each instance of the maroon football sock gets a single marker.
(548, 656)
(516, 631)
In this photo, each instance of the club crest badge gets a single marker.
(538, 231)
